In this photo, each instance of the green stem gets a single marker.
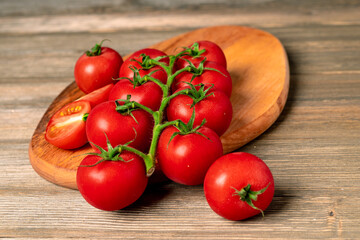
(166, 68)
(149, 163)
(148, 78)
(133, 104)
(166, 100)
(172, 77)
(149, 158)
(156, 134)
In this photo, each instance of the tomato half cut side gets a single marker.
(98, 96)
(66, 129)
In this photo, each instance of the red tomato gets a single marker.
(216, 109)
(119, 128)
(213, 53)
(186, 158)
(98, 96)
(232, 173)
(221, 81)
(160, 74)
(112, 185)
(148, 94)
(94, 72)
(66, 128)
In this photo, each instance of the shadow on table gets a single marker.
(153, 195)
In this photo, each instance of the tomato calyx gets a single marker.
(198, 92)
(96, 50)
(247, 195)
(129, 106)
(138, 80)
(185, 129)
(147, 62)
(114, 154)
(198, 71)
(192, 51)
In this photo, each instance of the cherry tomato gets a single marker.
(160, 74)
(111, 185)
(66, 128)
(220, 79)
(104, 121)
(186, 158)
(148, 94)
(98, 96)
(215, 108)
(212, 53)
(233, 181)
(94, 72)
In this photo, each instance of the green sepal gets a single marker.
(127, 108)
(96, 50)
(85, 116)
(137, 79)
(192, 51)
(248, 196)
(111, 154)
(200, 94)
(185, 129)
(147, 62)
(198, 71)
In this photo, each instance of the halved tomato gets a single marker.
(98, 96)
(66, 128)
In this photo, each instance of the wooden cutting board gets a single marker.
(259, 69)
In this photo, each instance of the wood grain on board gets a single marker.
(258, 65)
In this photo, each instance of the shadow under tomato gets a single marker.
(153, 194)
(280, 201)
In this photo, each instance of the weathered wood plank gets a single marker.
(149, 21)
(311, 49)
(312, 149)
(68, 7)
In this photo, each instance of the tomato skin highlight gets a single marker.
(160, 74)
(220, 81)
(148, 94)
(66, 128)
(112, 185)
(237, 170)
(213, 53)
(216, 109)
(120, 129)
(186, 158)
(97, 96)
(94, 72)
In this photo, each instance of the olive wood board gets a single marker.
(258, 65)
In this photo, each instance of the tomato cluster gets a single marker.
(164, 112)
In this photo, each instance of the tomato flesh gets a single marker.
(66, 129)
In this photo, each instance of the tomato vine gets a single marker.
(158, 115)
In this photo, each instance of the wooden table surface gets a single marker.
(313, 149)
